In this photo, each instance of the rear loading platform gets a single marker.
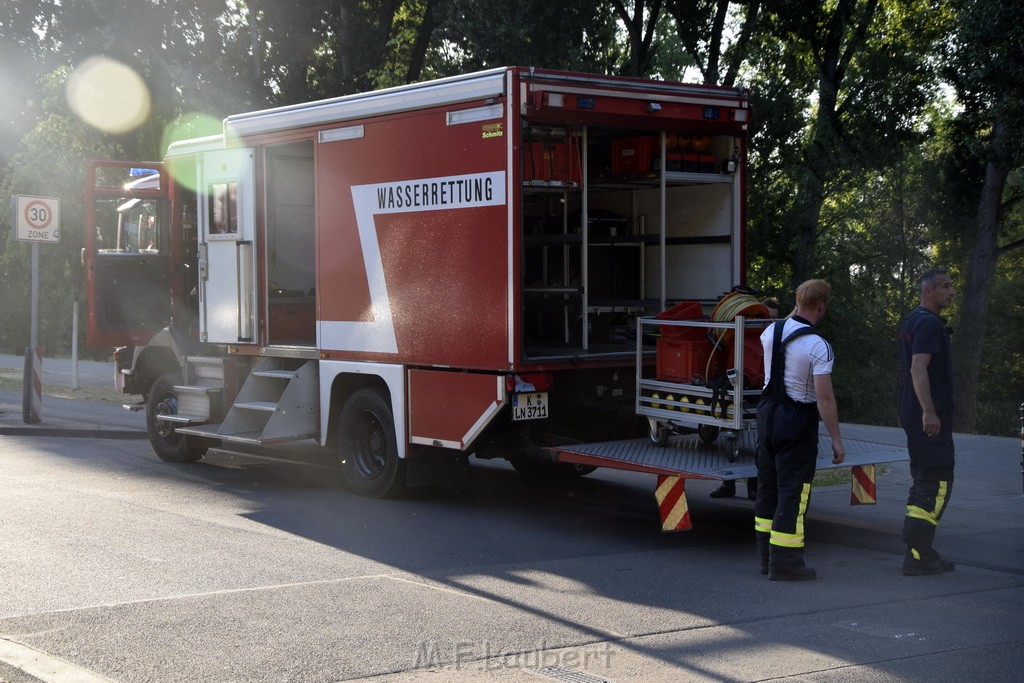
(690, 457)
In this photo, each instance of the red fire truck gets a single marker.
(425, 272)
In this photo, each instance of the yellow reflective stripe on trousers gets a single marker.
(795, 540)
(763, 525)
(930, 516)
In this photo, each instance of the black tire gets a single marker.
(659, 436)
(708, 433)
(167, 443)
(368, 447)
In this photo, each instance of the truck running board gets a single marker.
(276, 404)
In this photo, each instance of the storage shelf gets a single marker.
(672, 178)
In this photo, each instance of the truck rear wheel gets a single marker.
(167, 443)
(368, 447)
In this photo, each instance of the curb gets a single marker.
(74, 433)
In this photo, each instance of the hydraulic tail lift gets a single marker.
(707, 443)
(690, 457)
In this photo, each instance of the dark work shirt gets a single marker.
(924, 332)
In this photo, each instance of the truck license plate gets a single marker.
(530, 406)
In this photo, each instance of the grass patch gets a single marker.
(841, 475)
(105, 394)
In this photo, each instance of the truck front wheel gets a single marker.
(368, 447)
(167, 443)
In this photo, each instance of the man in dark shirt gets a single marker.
(926, 413)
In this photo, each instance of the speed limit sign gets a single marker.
(36, 219)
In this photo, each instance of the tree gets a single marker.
(870, 59)
(479, 34)
(640, 25)
(50, 161)
(701, 28)
(985, 65)
(27, 51)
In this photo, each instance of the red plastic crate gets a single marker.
(753, 358)
(684, 310)
(552, 161)
(685, 361)
(632, 156)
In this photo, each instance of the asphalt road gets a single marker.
(118, 567)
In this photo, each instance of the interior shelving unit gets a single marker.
(600, 246)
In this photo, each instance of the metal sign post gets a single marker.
(35, 220)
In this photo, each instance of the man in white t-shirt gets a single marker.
(787, 426)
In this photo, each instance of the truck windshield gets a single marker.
(129, 225)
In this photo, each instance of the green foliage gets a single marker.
(872, 127)
(1001, 384)
(572, 35)
(50, 162)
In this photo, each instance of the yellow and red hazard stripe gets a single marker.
(862, 481)
(671, 496)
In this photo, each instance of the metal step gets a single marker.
(181, 420)
(200, 402)
(277, 403)
(268, 406)
(205, 368)
(252, 438)
(277, 374)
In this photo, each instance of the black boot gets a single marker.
(762, 550)
(726, 490)
(804, 573)
(787, 564)
(925, 562)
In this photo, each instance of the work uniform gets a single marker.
(931, 458)
(787, 428)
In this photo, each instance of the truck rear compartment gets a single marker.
(607, 236)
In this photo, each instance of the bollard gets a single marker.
(74, 347)
(32, 394)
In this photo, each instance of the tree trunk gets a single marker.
(981, 268)
(811, 188)
(254, 45)
(346, 45)
(639, 36)
(419, 48)
(715, 43)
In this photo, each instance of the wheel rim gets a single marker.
(659, 436)
(167, 406)
(370, 446)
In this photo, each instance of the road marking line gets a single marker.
(44, 666)
(440, 588)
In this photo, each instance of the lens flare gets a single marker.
(108, 95)
(190, 126)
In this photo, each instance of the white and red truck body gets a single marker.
(475, 250)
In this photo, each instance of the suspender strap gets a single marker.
(776, 388)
